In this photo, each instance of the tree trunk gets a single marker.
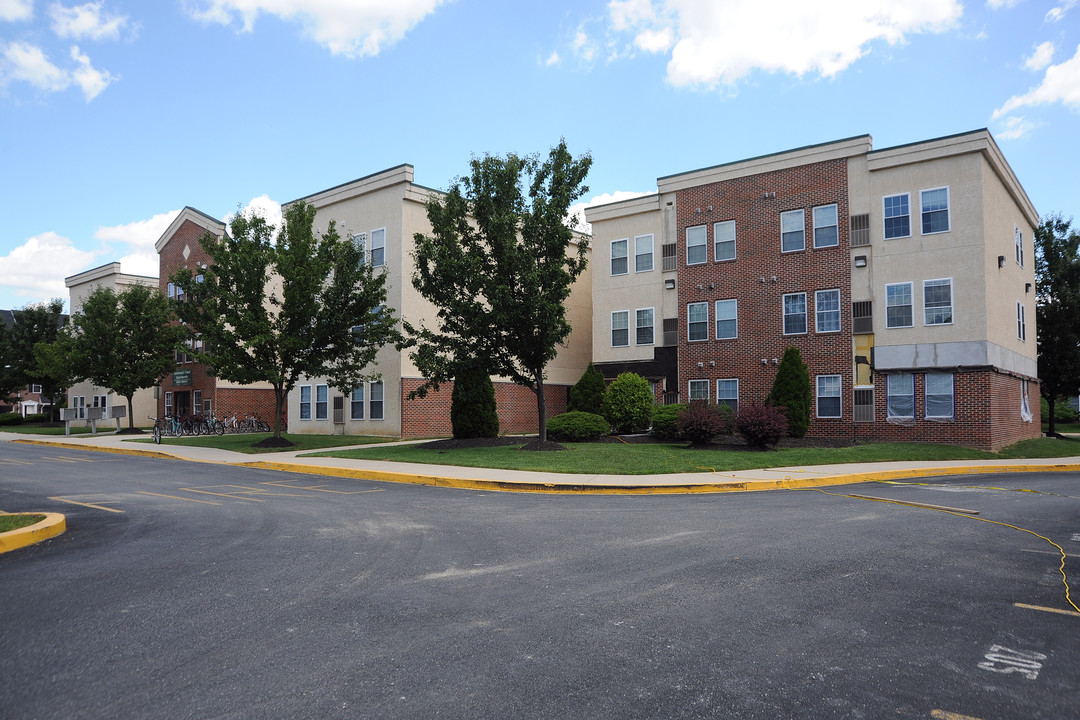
(1050, 429)
(541, 407)
(279, 401)
(131, 413)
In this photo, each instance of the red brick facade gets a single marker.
(430, 416)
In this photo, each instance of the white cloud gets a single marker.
(998, 4)
(576, 212)
(1043, 56)
(1056, 14)
(28, 63)
(353, 28)
(553, 59)
(140, 234)
(15, 10)
(262, 206)
(85, 21)
(1060, 84)
(91, 80)
(36, 269)
(655, 41)
(1015, 128)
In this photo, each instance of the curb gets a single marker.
(101, 448)
(54, 524)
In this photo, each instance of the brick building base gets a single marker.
(430, 416)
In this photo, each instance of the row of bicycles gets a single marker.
(178, 426)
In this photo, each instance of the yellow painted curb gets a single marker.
(54, 524)
(100, 448)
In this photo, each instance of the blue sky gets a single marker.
(116, 114)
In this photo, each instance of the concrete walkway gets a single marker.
(496, 479)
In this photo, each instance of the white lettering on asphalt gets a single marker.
(1003, 660)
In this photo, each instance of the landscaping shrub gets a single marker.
(576, 426)
(11, 418)
(702, 421)
(36, 417)
(665, 421)
(791, 390)
(628, 403)
(761, 425)
(587, 395)
(472, 405)
(1063, 411)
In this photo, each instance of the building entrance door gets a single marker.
(182, 402)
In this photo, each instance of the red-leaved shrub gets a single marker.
(761, 425)
(701, 421)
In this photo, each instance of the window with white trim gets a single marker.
(697, 322)
(897, 216)
(360, 242)
(939, 395)
(899, 311)
(826, 226)
(375, 405)
(1021, 322)
(378, 247)
(792, 231)
(696, 250)
(795, 314)
(724, 240)
(935, 210)
(35, 388)
(168, 403)
(727, 319)
(322, 406)
(1018, 241)
(827, 310)
(644, 326)
(619, 263)
(900, 390)
(828, 396)
(620, 328)
(356, 403)
(78, 403)
(643, 253)
(305, 402)
(727, 393)
(699, 390)
(937, 302)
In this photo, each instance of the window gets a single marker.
(939, 395)
(356, 404)
(35, 388)
(795, 314)
(862, 316)
(935, 210)
(378, 247)
(727, 393)
(937, 301)
(697, 322)
(644, 326)
(827, 306)
(667, 253)
(1018, 240)
(826, 226)
(898, 309)
(699, 390)
(321, 406)
(864, 405)
(168, 403)
(78, 403)
(727, 319)
(620, 332)
(860, 230)
(696, 252)
(619, 262)
(196, 400)
(643, 253)
(792, 231)
(671, 332)
(724, 240)
(360, 241)
(376, 401)
(897, 217)
(170, 290)
(1021, 322)
(901, 396)
(305, 402)
(828, 396)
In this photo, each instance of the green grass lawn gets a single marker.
(243, 442)
(19, 520)
(1063, 427)
(651, 459)
(36, 429)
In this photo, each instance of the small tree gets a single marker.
(472, 404)
(791, 391)
(587, 395)
(628, 403)
(1057, 297)
(37, 323)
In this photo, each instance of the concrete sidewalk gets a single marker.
(527, 481)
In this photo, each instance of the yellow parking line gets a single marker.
(177, 497)
(207, 492)
(1046, 609)
(69, 458)
(319, 488)
(9, 461)
(946, 715)
(89, 505)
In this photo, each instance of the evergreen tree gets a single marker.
(587, 395)
(1057, 297)
(472, 404)
(792, 391)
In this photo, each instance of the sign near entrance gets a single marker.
(181, 377)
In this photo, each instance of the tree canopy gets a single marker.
(1057, 312)
(498, 266)
(19, 366)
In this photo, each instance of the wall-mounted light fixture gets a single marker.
(669, 283)
(764, 361)
(1001, 261)
(712, 363)
(860, 261)
(701, 364)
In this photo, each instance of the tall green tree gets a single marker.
(19, 366)
(473, 413)
(1057, 310)
(587, 395)
(792, 391)
(498, 265)
(275, 309)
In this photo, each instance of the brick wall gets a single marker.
(430, 416)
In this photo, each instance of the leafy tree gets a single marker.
(791, 391)
(472, 404)
(587, 395)
(498, 265)
(628, 403)
(1057, 309)
(275, 309)
(19, 366)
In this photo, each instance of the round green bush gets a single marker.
(628, 404)
(36, 417)
(665, 420)
(576, 426)
(11, 418)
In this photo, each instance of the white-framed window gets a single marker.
(196, 401)
(939, 395)
(900, 390)
(179, 294)
(795, 314)
(620, 328)
(897, 216)
(619, 262)
(727, 393)
(724, 240)
(170, 290)
(696, 250)
(378, 247)
(359, 240)
(322, 405)
(827, 310)
(643, 253)
(697, 322)
(305, 402)
(935, 210)
(78, 402)
(699, 390)
(375, 403)
(356, 403)
(1018, 241)
(937, 301)
(899, 312)
(828, 396)
(826, 226)
(35, 388)
(168, 403)
(792, 231)
(727, 319)
(102, 401)
(1021, 322)
(644, 326)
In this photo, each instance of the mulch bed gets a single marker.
(732, 442)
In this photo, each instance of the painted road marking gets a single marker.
(1003, 660)
(228, 495)
(72, 458)
(15, 462)
(177, 497)
(946, 715)
(320, 488)
(1047, 609)
(86, 504)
